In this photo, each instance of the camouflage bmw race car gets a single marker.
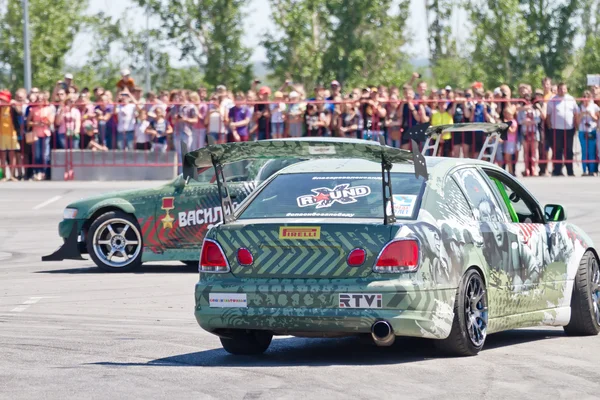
(122, 230)
(368, 239)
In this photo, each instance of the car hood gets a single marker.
(125, 199)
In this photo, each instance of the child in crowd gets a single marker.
(529, 119)
(142, 139)
(159, 129)
(510, 142)
(312, 121)
(278, 109)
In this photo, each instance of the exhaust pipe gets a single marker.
(382, 333)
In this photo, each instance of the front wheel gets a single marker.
(247, 342)
(585, 303)
(114, 242)
(469, 327)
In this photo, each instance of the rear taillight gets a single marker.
(356, 258)
(212, 258)
(244, 256)
(398, 256)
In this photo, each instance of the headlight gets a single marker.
(70, 213)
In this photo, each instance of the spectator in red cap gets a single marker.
(8, 135)
(262, 113)
(477, 86)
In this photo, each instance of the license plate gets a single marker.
(228, 300)
(360, 300)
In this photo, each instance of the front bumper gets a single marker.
(315, 307)
(68, 229)
(66, 226)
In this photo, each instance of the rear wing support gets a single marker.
(386, 182)
(428, 146)
(225, 198)
(491, 142)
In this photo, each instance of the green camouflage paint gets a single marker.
(194, 208)
(289, 299)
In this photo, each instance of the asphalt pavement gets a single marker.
(68, 331)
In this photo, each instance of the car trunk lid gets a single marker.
(308, 250)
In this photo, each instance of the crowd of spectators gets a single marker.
(543, 121)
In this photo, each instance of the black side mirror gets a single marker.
(190, 171)
(554, 213)
(180, 182)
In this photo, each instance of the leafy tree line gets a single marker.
(357, 42)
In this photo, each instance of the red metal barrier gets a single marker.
(538, 143)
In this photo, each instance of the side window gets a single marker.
(480, 196)
(520, 207)
(455, 201)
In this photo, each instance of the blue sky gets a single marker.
(256, 23)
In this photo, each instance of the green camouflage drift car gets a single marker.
(123, 229)
(368, 239)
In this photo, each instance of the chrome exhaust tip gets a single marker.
(382, 333)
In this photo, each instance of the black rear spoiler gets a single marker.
(216, 156)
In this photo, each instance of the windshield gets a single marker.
(238, 171)
(334, 195)
(246, 170)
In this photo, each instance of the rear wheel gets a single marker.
(585, 303)
(114, 242)
(247, 342)
(469, 328)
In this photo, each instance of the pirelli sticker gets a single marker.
(300, 232)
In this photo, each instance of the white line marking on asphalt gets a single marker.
(27, 303)
(49, 201)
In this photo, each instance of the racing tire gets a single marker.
(469, 326)
(114, 242)
(585, 302)
(247, 342)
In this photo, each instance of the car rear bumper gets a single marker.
(318, 308)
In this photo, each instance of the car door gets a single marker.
(188, 210)
(499, 250)
(541, 275)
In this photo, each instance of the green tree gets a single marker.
(101, 67)
(438, 14)
(505, 51)
(365, 40)
(53, 27)
(209, 33)
(355, 42)
(554, 23)
(296, 53)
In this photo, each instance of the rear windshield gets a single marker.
(334, 195)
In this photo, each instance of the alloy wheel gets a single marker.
(117, 242)
(476, 314)
(595, 288)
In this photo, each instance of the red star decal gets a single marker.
(321, 197)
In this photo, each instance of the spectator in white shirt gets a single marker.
(142, 139)
(126, 125)
(587, 134)
(562, 119)
(278, 109)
